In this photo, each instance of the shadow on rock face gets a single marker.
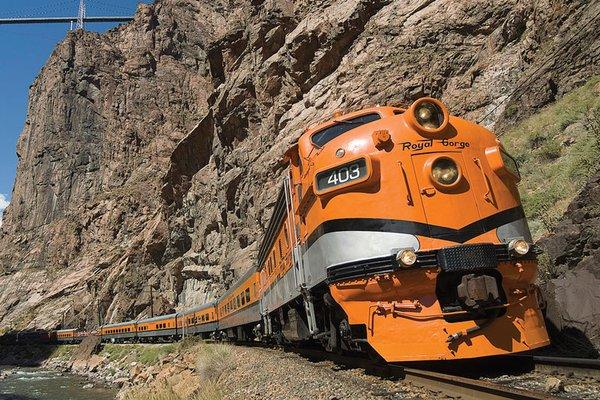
(570, 342)
(25, 355)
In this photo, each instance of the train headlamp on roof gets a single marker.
(428, 116)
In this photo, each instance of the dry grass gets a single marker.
(162, 392)
(213, 360)
(210, 390)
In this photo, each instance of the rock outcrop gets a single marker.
(573, 290)
(151, 155)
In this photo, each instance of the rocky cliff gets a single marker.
(151, 155)
(573, 290)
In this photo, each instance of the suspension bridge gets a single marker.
(77, 22)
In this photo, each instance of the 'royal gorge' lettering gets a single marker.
(420, 145)
(424, 144)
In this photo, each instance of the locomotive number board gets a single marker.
(342, 175)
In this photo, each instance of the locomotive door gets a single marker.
(448, 210)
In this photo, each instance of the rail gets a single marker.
(578, 366)
(456, 386)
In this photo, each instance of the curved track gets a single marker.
(452, 385)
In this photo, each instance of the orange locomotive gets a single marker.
(401, 231)
(398, 232)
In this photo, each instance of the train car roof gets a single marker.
(115, 325)
(237, 283)
(198, 308)
(159, 318)
(66, 330)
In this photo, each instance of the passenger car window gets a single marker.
(324, 136)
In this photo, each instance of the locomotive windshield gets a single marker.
(326, 135)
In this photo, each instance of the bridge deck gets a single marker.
(59, 20)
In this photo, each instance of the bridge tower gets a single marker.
(81, 15)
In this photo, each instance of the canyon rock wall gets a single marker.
(573, 292)
(151, 156)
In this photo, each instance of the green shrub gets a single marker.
(550, 150)
(150, 354)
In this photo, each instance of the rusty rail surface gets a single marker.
(467, 388)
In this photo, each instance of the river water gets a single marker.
(39, 384)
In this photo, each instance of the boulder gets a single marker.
(95, 362)
(135, 371)
(554, 385)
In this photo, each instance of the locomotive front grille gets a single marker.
(470, 257)
(461, 254)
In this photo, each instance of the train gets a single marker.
(397, 232)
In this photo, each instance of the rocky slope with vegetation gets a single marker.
(194, 370)
(151, 155)
(559, 152)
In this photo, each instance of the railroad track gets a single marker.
(563, 365)
(452, 385)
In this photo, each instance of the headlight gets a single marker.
(429, 115)
(406, 257)
(519, 246)
(445, 171)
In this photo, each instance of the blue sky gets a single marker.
(23, 51)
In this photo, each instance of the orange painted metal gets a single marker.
(403, 317)
(242, 296)
(405, 322)
(198, 317)
(130, 328)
